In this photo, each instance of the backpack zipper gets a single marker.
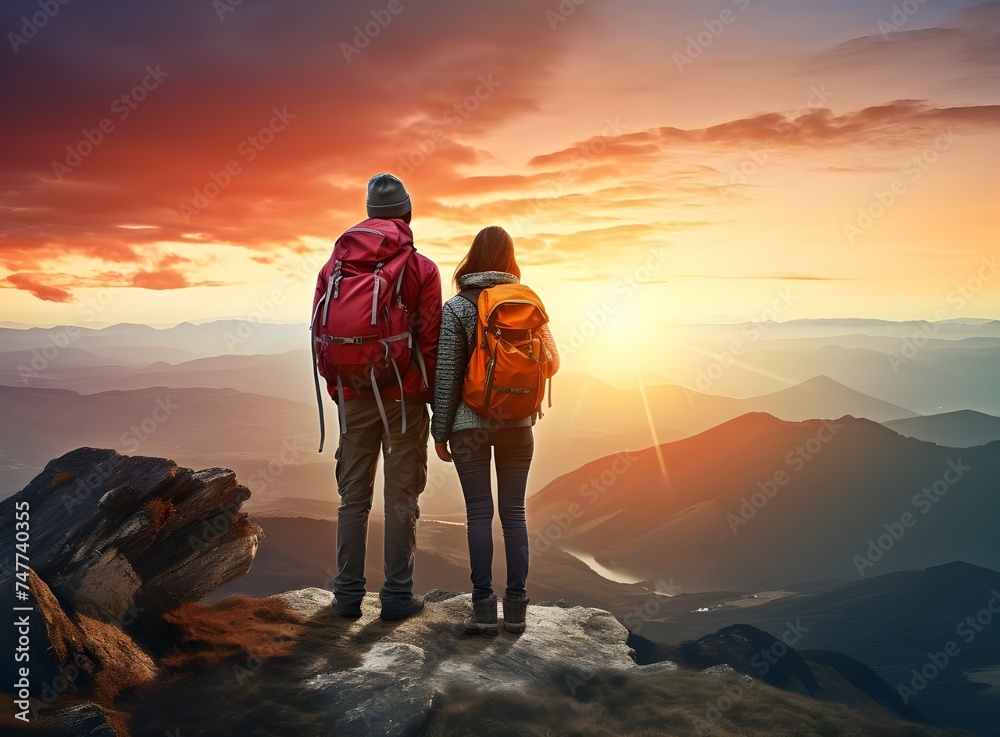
(489, 382)
(337, 277)
(326, 300)
(366, 230)
(378, 268)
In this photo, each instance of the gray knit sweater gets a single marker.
(458, 324)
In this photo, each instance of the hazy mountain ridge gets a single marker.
(757, 502)
(590, 418)
(961, 429)
(205, 339)
(192, 425)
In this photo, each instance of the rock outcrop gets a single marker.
(330, 675)
(392, 689)
(121, 535)
(293, 666)
(109, 543)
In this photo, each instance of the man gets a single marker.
(395, 420)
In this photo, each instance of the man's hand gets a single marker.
(442, 452)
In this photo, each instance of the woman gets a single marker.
(473, 436)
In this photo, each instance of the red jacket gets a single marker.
(421, 294)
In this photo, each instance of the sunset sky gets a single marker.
(685, 162)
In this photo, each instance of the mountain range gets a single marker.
(895, 623)
(757, 502)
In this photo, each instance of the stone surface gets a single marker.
(85, 720)
(112, 541)
(116, 535)
(387, 694)
(405, 664)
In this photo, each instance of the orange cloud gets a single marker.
(30, 283)
(160, 279)
(895, 123)
(421, 99)
(414, 91)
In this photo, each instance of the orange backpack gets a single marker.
(508, 363)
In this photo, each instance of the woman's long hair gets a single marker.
(492, 250)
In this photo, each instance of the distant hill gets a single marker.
(302, 552)
(193, 426)
(287, 375)
(758, 502)
(743, 647)
(218, 337)
(20, 366)
(44, 423)
(294, 507)
(940, 375)
(952, 367)
(270, 441)
(590, 418)
(822, 397)
(587, 402)
(962, 429)
(925, 367)
(889, 622)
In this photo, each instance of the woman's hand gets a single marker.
(442, 452)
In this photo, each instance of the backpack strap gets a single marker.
(413, 342)
(472, 295)
(319, 394)
(381, 412)
(322, 304)
(420, 360)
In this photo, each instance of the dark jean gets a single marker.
(405, 477)
(512, 449)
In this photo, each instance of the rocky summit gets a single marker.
(123, 550)
(393, 687)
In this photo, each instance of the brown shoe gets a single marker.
(484, 617)
(514, 612)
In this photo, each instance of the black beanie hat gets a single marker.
(387, 197)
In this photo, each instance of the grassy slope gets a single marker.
(678, 704)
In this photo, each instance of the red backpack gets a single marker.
(360, 331)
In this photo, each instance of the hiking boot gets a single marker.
(514, 611)
(484, 617)
(350, 611)
(394, 610)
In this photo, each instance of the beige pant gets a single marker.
(405, 477)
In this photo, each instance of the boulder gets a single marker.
(119, 535)
(107, 543)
